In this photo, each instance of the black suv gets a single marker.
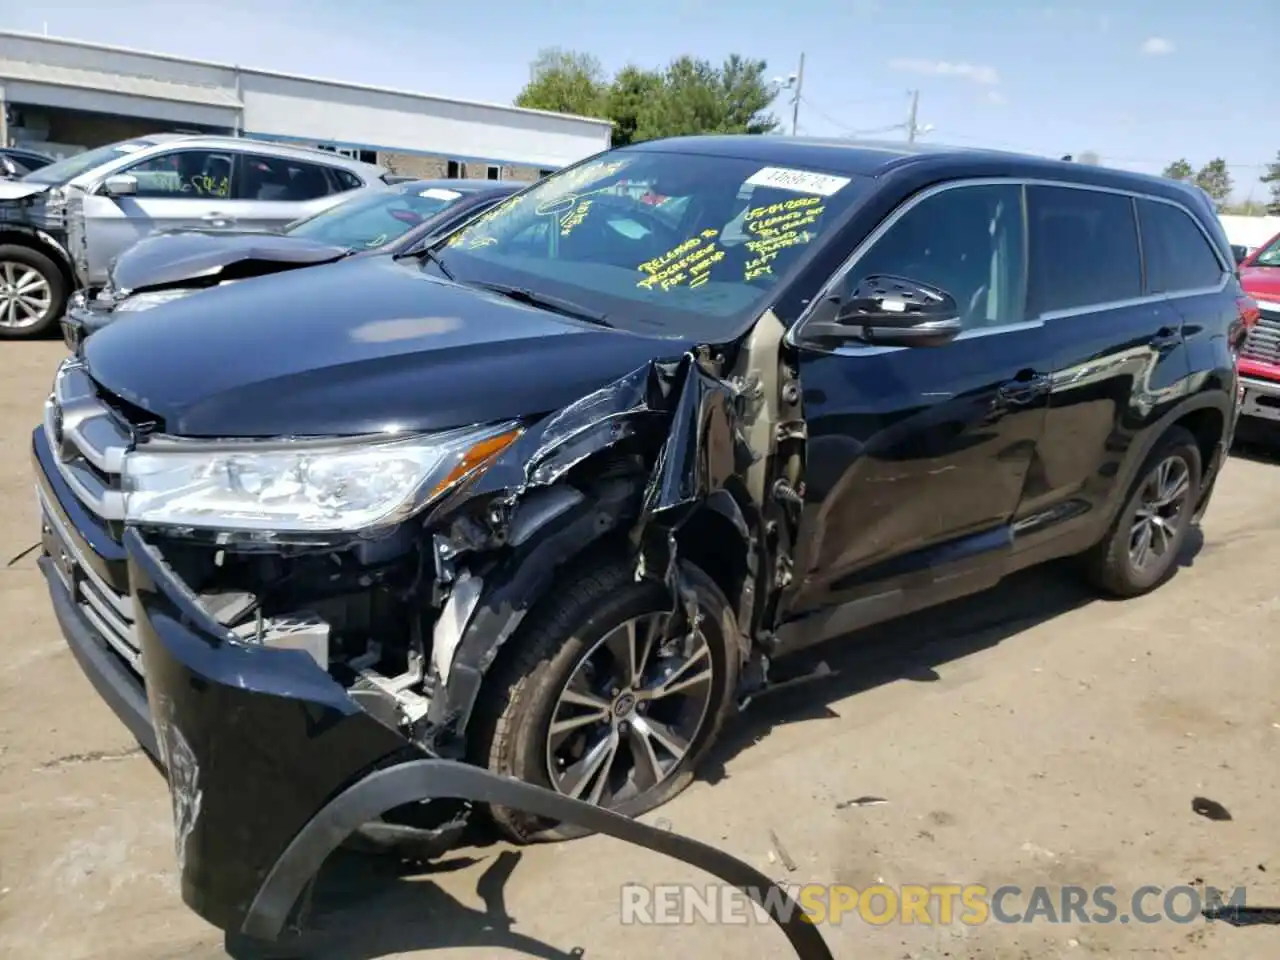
(550, 497)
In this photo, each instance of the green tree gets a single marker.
(697, 97)
(690, 96)
(565, 82)
(1179, 170)
(631, 90)
(1215, 179)
(1272, 179)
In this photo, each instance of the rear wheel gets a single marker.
(33, 293)
(607, 696)
(1141, 550)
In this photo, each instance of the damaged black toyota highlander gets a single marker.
(551, 497)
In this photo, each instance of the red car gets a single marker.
(1260, 356)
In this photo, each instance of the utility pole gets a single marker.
(795, 101)
(912, 129)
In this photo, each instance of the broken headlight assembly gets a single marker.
(362, 485)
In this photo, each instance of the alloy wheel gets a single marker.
(629, 712)
(1160, 514)
(25, 295)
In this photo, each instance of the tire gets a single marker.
(1112, 566)
(19, 262)
(511, 724)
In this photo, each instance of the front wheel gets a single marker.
(33, 293)
(1141, 549)
(607, 696)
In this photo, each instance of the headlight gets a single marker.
(305, 487)
(145, 301)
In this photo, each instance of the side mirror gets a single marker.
(895, 312)
(1240, 253)
(120, 185)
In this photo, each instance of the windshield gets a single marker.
(682, 245)
(1268, 256)
(60, 171)
(374, 220)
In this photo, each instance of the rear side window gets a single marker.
(345, 180)
(1083, 250)
(282, 179)
(1177, 253)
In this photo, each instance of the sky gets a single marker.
(1139, 82)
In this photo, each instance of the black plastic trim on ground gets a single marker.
(434, 779)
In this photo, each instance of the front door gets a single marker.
(917, 457)
(177, 189)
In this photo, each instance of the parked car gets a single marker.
(64, 223)
(1260, 356)
(554, 497)
(16, 162)
(167, 266)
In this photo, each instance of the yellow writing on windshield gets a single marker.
(775, 228)
(473, 236)
(562, 185)
(574, 217)
(690, 263)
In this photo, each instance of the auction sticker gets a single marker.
(801, 181)
(438, 193)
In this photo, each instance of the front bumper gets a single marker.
(1261, 399)
(270, 765)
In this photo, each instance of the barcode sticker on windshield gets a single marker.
(801, 181)
(438, 193)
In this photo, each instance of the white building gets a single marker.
(63, 96)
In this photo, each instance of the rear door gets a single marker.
(1119, 356)
(177, 189)
(273, 191)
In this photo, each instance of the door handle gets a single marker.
(1165, 338)
(1027, 387)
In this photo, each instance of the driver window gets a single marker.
(188, 174)
(967, 240)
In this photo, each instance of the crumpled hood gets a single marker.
(20, 190)
(173, 259)
(360, 346)
(1261, 283)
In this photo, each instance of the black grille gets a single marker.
(142, 421)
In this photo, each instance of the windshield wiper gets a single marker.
(429, 254)
(547, 302)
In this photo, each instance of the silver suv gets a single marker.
(62, 225)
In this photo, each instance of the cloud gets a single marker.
(1157, 47)
(987, 76)
(996, 97)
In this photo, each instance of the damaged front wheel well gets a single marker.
(711, 542)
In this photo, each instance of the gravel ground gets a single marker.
(1033, 735)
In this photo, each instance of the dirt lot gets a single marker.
(1032, 735)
